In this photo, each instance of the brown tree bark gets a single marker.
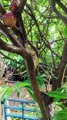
(63, 64)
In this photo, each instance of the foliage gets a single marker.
(60, 93)
(61, 115)
(5, 91)
(46, 30)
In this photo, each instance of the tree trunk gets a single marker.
(32, 76)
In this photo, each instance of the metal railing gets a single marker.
(22, 108)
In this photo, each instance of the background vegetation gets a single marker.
(44, 35)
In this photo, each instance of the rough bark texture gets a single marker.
(63, 64)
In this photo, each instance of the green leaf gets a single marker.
(65, 31)
(58, 94)
(61, 115)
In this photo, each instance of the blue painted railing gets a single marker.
(21, 108)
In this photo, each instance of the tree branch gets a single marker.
(63, 18)
(33, 17)
(6, 57)
(8, 47)
(2, 10)
(21, 6)
(62, 65)
(41, 35)
(62, 6)
(22, 27)
(34, 48)
(13, 49)
(6, 32)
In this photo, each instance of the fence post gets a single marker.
(6, 111)
(2, 108)
(5, 118)
(22, 110)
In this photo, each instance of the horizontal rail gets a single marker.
(20, 116)
(22, 101)
(19, 108)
